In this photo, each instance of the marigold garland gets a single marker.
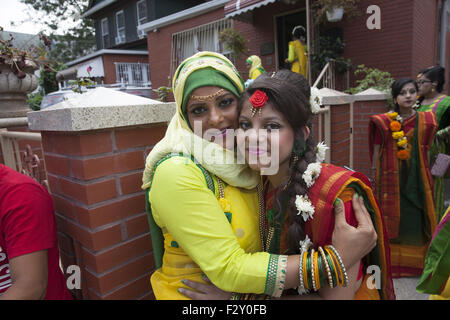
(399, 135)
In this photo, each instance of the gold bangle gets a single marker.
(344, 272)
(334, 264)
(327, 267)
(305, 273)
(300, 272)
(313, 278)
(316, 270)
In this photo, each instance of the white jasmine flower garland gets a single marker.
(321, 152)
(315, 100)
(304, 206)
(312, 172)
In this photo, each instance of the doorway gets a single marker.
(284, 25)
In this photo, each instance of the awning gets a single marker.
(90, 68)
(238, 7)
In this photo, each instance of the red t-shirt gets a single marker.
(27, 224)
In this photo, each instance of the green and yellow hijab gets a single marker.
(202, 69)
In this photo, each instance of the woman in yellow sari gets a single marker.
(300, 196)
(297, 55)
(204, 206)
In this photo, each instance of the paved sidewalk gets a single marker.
(405, 289)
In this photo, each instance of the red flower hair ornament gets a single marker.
(258, 100)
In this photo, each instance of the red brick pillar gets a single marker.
(335, 119)
(366, 104)
(95, 178)
(340, 134)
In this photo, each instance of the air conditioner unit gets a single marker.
(120, 39)
(141, 34)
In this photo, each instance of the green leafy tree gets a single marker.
(76, 41)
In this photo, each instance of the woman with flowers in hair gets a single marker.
(399, 142)
(204, 206)
(275, 115)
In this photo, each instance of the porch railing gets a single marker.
(324, 115)
(25, 162)
(327, 76)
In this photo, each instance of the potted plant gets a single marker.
(333, 10)
(373, 78)
(17, 77)
(234, 42)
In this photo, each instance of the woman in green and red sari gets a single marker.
(399, 143)
(431, 83)
(299, 199)
(300, 195)
(435, 279)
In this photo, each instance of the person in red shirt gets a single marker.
(29, 254)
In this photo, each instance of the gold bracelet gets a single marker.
(327, 267)
(344, 272)
(312, 270)
(316, 270)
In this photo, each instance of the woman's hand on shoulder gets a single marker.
(203, 291)
(353, 243)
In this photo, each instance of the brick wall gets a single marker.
(110, 67)
(406, 42)
(160, 42)
(361, 116)
(95, 179)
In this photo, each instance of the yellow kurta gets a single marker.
(297, 57)
(198, 238)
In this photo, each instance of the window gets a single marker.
(105, 32)
(120, 27)
(201, 38)
(137, 74)
(141, 8)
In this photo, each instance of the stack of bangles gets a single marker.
(319, 266)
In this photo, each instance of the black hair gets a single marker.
(289, 94)
(435, 74)
(299, 31)
(397, 87)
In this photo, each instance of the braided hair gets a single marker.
(289, 94)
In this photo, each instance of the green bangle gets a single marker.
(321, 271)
(308, 271)
(332, 270)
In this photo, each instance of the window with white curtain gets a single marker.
(141, 8)
(137, 74)
(105, 32)
(201, 38)
(120, 27)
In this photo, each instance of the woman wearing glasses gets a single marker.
(399, 143)
(431, 82)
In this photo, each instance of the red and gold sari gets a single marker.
(404, 189)
(332, 183)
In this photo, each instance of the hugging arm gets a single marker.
(352, 243)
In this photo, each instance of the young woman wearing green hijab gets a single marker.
(205, 204)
